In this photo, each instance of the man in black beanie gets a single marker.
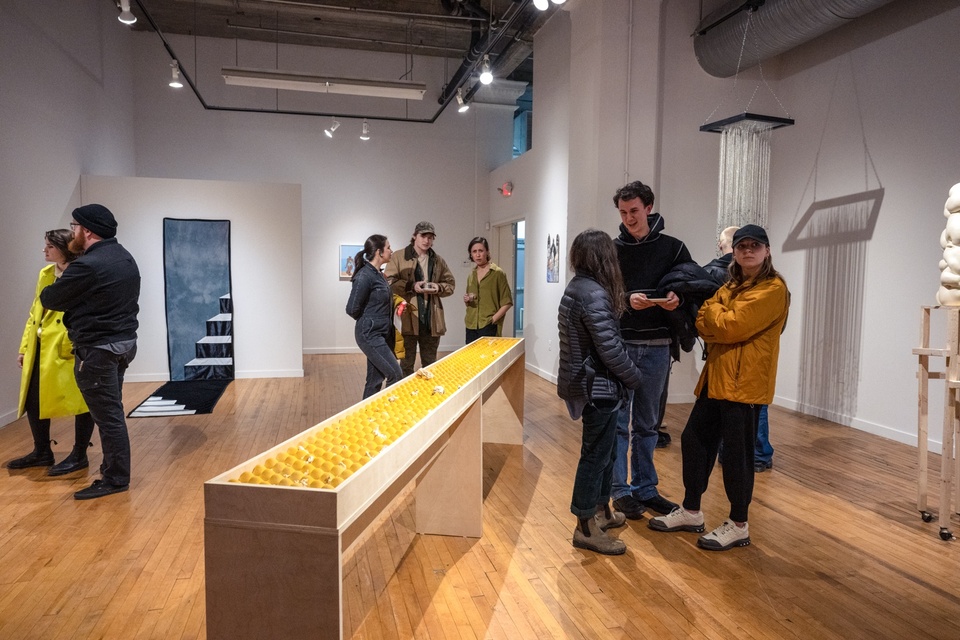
(99, 292)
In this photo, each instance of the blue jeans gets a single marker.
(591, 485)
(643, 406)
(381, 361)
(763, 452)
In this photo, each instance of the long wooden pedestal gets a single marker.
(274, 554)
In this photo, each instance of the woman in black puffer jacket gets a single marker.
(594, 369)
(371, 305)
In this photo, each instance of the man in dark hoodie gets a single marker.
(646, 255)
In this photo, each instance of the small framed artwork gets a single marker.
(347, 253)
(553, 258)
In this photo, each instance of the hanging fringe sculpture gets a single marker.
(745, 152)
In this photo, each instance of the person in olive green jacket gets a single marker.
(488, 295)
(421, 277)
(741, 326)
(47, 385)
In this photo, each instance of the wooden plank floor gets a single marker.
(839, 550)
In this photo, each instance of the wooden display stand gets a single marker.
(274, 555)
(950, 450)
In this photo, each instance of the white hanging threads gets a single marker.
(949, 293)
(744, 175)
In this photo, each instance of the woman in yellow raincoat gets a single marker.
(47, 386)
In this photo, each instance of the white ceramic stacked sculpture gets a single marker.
(949, 293)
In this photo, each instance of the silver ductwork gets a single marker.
(777, 26)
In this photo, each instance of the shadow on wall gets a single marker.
(834, 233)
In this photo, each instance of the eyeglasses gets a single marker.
(749, 246)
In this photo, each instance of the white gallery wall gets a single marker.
(884, 80)
(264, 220)
(66, 108)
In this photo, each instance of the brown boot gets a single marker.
(588, 535)
(607, 518)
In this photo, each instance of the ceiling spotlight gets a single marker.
(559, 1)
(464, 107)
(486, 76)
(541, 4)
(333, 127)
(175, 75)
(125, 16)
(365, 135)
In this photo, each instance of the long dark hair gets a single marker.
(60, 239)
(374, 243)
(594, 254)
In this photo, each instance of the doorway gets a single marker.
(510, 258)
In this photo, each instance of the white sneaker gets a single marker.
(726, 536)
(678, 520)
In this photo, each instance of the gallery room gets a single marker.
(294, 137)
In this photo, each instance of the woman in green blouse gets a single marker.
(488, 295)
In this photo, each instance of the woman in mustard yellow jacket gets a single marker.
(741, 326)
(47, 386)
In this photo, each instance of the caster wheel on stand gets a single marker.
(945, 534)
(926, 516)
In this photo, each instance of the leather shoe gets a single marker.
(98, 489)
(760, 467)
(68, 465)
(32, 459)
(629, 506)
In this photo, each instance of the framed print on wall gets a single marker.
(347, 253)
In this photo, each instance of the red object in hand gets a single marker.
(401, 307)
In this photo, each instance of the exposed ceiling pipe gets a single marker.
(489, 41)
(482, 48)
(777, 26)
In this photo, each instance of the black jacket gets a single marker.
(694, 285)
(371, 303)
(593, 361)
(644, 264)
(99, 292)
(719, 268)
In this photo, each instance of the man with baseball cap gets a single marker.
(421, 277)
(99, 294)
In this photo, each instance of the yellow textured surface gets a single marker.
(331, 453)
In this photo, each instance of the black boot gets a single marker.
(76, 461)
(83, 429)
(42, 454)
(33, 459)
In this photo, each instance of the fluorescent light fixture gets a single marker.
(486, 76)
(365, 134)
(333, 127)
(295, 81)
(175, 75)
(126, 17)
